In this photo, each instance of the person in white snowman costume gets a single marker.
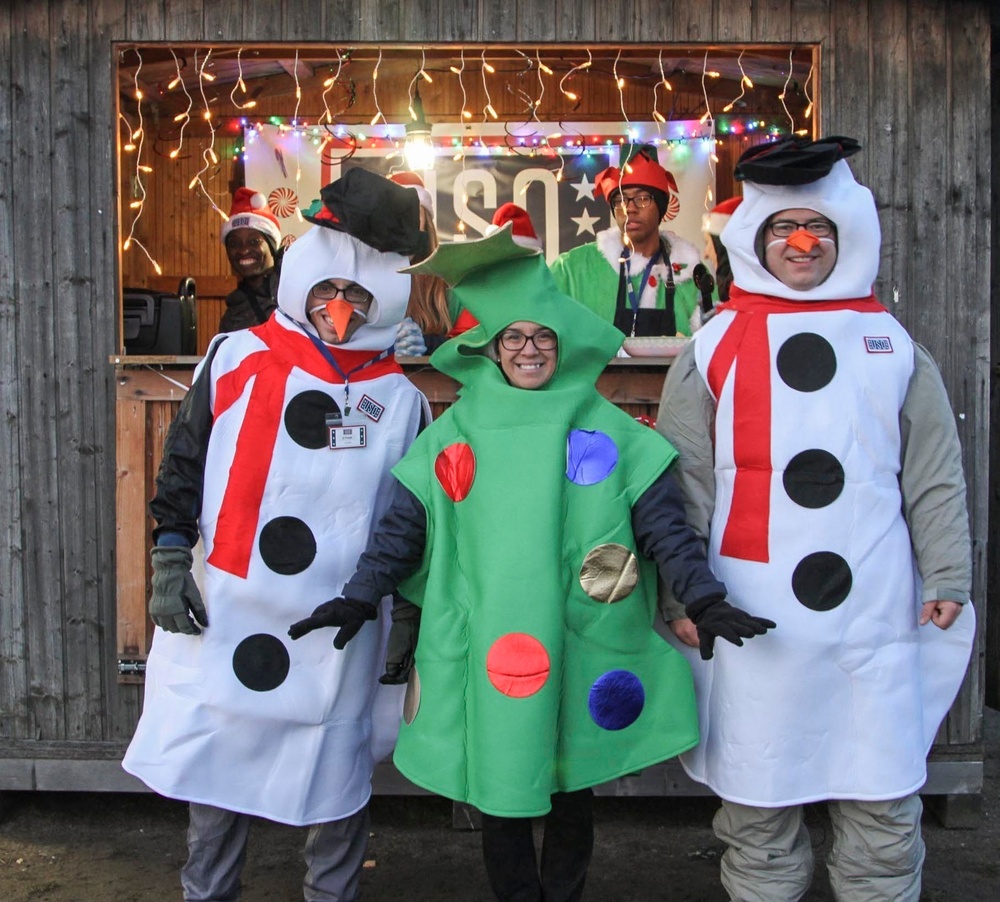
(819, 458)
(279, 459)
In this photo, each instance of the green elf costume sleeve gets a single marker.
(537, 668)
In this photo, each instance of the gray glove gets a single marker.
(176, 599)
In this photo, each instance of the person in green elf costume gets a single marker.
(639, 274)
(524, 530)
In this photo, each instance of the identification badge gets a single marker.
(371, 408)
(343, 437)
(878, 344)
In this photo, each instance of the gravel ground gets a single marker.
(86, 847)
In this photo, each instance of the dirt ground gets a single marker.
(85, 847)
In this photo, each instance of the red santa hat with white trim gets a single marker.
(411, 180)
(714, 221)
(523, 231)
(250, 211)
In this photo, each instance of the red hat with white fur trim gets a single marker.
(715, 219)
(250, 211)
(524, 231)
(411, 180)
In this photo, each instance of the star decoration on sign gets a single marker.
(584, 189)
(585, 223)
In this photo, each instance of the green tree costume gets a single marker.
(537, 667)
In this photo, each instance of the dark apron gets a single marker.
(636, 321)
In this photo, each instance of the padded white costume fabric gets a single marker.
(241, 717)
(842, 699)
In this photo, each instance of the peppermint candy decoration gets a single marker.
(673, 206)
(283, 202)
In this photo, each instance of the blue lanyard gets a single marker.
(633, 298)
(325, 351)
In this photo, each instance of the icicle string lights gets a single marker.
(657, 115)
(240, 85)
(378, 115)
(328, 86)
(548, 142)
(185, 117)
(488, 109)
(208, 155)
(138, 134)
(784, 89)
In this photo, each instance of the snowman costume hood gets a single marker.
(325, 253)
(836, 196)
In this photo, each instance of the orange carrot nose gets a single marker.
(340, 313)
(802, 240)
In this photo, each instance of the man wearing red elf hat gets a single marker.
(637, 274)
(252, 238)
(820, 460)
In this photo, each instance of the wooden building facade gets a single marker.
(909, 78)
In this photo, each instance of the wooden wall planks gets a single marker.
(895, 73)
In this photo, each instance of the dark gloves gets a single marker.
(402, 642)
(348, 614)
(176, 599)
(714, 616)
(705, 284)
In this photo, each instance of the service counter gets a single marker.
(148, 393)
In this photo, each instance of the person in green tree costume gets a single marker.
(524, 530)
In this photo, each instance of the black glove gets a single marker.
(714, 616)
(175, 605)
(705, 284)
(402, 642)
(347, 613)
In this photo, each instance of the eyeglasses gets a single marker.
(821, 228)
(543, 340)
(353, 293)
(640, 201)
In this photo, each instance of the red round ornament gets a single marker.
(517, 665)
(455, 468)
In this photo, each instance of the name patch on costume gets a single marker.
(878, 344)
(371, 409)
(343, 437)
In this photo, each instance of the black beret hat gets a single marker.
(375, 210)
(793, 161)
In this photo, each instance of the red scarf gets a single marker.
(746, 342)
(286, 350)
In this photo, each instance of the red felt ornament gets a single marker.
(517, 665)
(455, 468)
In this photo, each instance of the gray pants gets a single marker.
(334, 854)
(877, 854)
